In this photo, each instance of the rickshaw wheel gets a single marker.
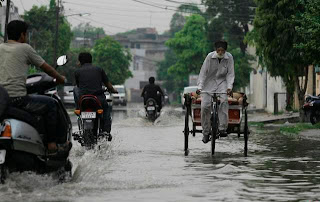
(186, 131)
(246, 133)
(194, 128)
(214, 129)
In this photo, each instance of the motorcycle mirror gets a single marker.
(62, 60)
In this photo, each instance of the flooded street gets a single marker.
(146, 162)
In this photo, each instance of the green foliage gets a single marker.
(242, 68)
(113, 58)
(171, 83)
(33, 70)
(69, 69)
(190, 46)
(134, 31)
(308, 28)
(256, 124)
(275, 36)
(176, 24)
(88, 31)
(229, 18)
(42, 26)
(297, 128)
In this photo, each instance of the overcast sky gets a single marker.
(115, 15)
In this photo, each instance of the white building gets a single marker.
(147, 49)
(263, 88)
(14, 15)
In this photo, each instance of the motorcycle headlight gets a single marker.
(150, 103)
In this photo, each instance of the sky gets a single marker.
(115, 16)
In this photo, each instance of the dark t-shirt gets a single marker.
(150, 91)
(90, 79)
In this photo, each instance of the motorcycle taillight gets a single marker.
(6, 130)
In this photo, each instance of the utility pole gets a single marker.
(56, 34)
(7, 20)
(55, 51)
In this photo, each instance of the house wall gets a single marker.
(262, 88)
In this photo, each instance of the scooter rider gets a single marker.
(89, 80)
(15, 57)
(216, 75)
(151, 91)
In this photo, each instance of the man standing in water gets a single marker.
(216, 75)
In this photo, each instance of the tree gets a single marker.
(242, 68)
(275, 36)
(229, 18)
(308, 28)
(88, 31)
(171, 83)
(113, 58)
(190, 46)
(41, 22)
(69, 69)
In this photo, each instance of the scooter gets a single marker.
(312, 108)
(151, 108)
(90, 115)
(21, 134)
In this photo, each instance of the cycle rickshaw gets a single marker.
(238, 118)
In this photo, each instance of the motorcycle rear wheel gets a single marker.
(3, 173)
(314, 118)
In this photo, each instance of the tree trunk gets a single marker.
(301, 88)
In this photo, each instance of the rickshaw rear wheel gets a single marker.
(186, 132)
(246, 133)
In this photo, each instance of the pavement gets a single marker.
(260, 116)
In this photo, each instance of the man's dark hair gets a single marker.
(85, 57)
(15, 28)
(151, 80)
(221, 44)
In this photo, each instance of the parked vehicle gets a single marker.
(68, 97)
(90, 114)
(187, 90)
(109, 98)
(152, 109)
(312, 108)
(21, 134)
(121, 97)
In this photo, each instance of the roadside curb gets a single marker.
(267, 118)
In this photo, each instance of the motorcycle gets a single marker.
(21, 134)
(312, 108)
(152, 109)
(90, 115)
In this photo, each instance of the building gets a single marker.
(264, 90)
(14, 15)
(147, 49)
(79, 42)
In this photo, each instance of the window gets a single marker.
(136, 66)
(132, 45)
(137, 46)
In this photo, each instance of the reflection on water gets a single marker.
(145, 162)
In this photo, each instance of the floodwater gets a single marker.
(146, 162)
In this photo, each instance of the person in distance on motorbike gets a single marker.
(89, 80)
(15, 57)
(151, 91)
(216, 75)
